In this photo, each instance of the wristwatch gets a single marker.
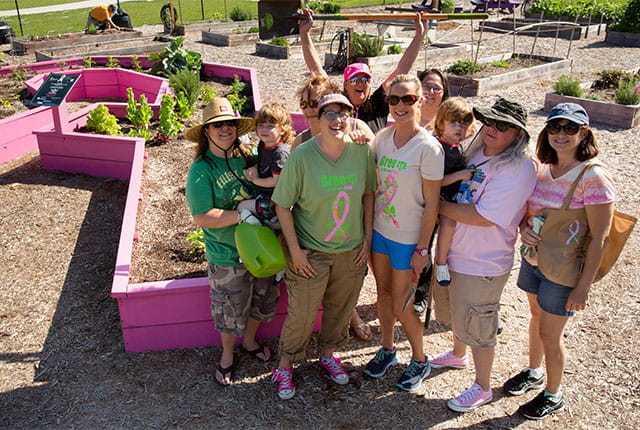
(422, 251)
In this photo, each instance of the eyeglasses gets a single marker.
(408, 100)
(501, 126)
(331, 115)
(310, 104)
(569, 128)
(229, 122)
(362, 80)
(435, 90)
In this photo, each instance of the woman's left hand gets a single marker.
(363, 254)
(418, 263)
(577, 300)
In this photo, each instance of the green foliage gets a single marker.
(216, 15)
(169, 124)
(253, 30)
(183, 107)
(568, 85)
(239, 97)
(140, 117)
(101, 121)
(365, 45)
(610, 78)
(174, 58)
(503, 64)
(447, 6)
(207, 93)
(6, 103)
(464, 67)
(280, 41)
(593, 96)
(238, 13)
(324, 6)
(187, 82)
(19, 74)
(609, 10)
(196, 240)
(630, 20)
(135, 63)
(88, 62)
(112, 62)
(625, 94)
(394, 49)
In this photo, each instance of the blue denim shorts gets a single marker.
(399, 253)
(552, 297)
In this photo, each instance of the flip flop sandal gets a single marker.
(261, 349)
(362, 331)
(225, 372)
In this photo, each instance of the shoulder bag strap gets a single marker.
(567, 199)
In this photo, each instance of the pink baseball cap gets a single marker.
(356, 68)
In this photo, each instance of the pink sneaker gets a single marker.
(470, 399)
(334, 369)
(448, 359)
(284, 378)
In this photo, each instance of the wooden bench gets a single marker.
(483, 6)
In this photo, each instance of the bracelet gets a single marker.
(422, 251)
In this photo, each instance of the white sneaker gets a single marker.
(442, 274)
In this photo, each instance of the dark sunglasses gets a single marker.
(309, 104)
(356, 80)
(569, 128)
(408, 100)
(229, 122)
(501, 126)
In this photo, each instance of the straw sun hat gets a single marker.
(219, 109)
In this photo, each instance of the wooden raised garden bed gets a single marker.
(551, 29)
(622, 38)
(231, 37)
(25, 44)
(266, 49)
(623, 116)
(469, 86)
(141, 45)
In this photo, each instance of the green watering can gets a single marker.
(259, 250)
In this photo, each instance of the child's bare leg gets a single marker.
(445, 236)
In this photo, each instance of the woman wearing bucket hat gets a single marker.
(239, 301)
(487, 211)
(368, 106)
(324, 203)
(566, 149)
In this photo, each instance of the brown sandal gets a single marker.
(362, 331)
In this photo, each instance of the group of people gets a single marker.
(352, 190)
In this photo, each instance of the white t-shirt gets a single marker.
(399, 199)
(500, 195)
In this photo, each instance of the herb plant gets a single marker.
(625, 94)
(101, 121)
(88, 62)
(140, 117)
(135, 63)
(112, 62)
(196, 240)
(237, 13)
(280, 41)
(207, 93)
(169, 124)
(365, 45)
(503, 64)
(568, 85)
(394, 49)
(239, 96)
(253, 30)
(464, 67)
(188, 82)
(183, 107)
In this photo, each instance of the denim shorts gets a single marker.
(552, 297)
(399, 253)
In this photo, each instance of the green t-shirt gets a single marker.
(327, 196)
(210, 185)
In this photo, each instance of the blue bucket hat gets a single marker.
(571, 111)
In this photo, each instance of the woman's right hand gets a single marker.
(528, 236)
(305, 24)
(301, 264)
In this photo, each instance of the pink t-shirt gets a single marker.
(500, 195)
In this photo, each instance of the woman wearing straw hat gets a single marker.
(215, 186)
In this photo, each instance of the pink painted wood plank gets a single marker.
(86, 145)
(103, 91)
(99, 77)
(16, 132)
(103, 168)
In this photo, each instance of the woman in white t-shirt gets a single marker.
(566, 147)
(410, 165)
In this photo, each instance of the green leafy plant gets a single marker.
(188, 82)
(568, 85)
(174, 58)
(183, 107)
(280, 41)
(596, 9)
(324, 6)
(140, 117)
(253, 30)
(365, 45)
(207, 93)
(447, 6)
(216, 15)
(239, 97)
(112, 62)
(464, 67)
(101, 121)
(593, 96)
(196, 240)
(88, 62)
(502, 64)
(19, 74)
(610, 78)
(237, 13)
(169, 124)
(135, 63)
(394, 49)
(625, 95)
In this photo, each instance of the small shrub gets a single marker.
(140, 117)
(169, 124)
(207, 93)
(611, 78)
(394, 49)
(196, 240)
(365, 45)
(239, 96)
(447, 6)
(568, 85)
(280, 41)
(464, 67)
(625, 94)
(324, 6)
(629, 21)
(187, 82)
(101, 121)
(595, 97)
(216, 15)
(504, 64)
(253, 30)
(183, 107)
(237, 13)
(175, 57)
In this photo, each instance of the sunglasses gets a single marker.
(408, 100)
(570, 128)
(501, 126)
(362, 80)
(331, 115)
(309, 104)
(229, 122)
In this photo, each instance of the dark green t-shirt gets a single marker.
(327, 196)
(210, 185)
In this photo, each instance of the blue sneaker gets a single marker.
(412, 377)
(379, 364)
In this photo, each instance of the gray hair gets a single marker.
(517, 152)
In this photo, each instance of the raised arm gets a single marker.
(311, 58)
(410, 54)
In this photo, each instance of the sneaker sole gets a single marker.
(561, 408)
(444, 283)
(452, 366)
(288, 395)
(457, 408)
(326, 372)
(416, 385)
(536, 386)
(380, 375)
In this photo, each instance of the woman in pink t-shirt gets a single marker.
(566, 146)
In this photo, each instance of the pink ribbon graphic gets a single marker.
(389, 193)
(574, 229)
(339, 220)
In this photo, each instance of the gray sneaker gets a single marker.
(523, 382)
(412, 377)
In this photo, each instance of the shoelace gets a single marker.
(284, 377)
(334, 365)
(379, 358)
(414, 368)
(469, 394)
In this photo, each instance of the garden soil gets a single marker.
(62, 360)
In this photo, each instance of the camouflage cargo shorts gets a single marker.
(237, 295)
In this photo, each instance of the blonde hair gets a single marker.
(454, 109)
(400, 79)
(319, 86)
(274, 113)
